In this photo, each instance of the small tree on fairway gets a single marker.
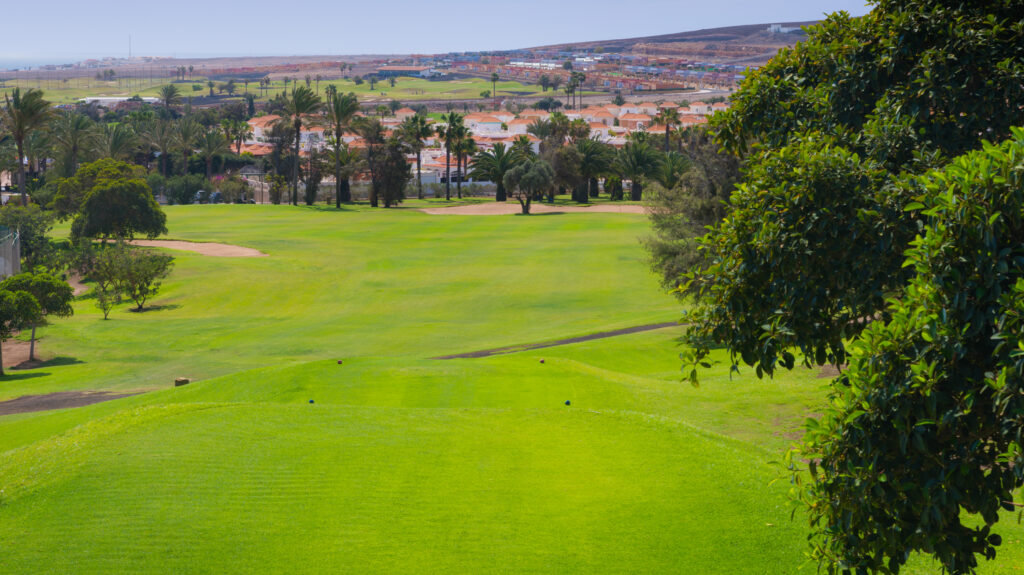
(53, 296)
(17, 309)
(528, 181)
(141, 272)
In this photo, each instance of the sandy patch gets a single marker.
(58, 400)
(204, 248)
(15, 354)
(501, 208)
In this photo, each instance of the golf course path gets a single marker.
(204, 248)
(530, 346)
(504, 208)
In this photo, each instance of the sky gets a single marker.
(74, 29)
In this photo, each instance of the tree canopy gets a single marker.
(872, 211)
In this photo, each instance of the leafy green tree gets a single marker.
(33, 225)
(416, 129)
(302, 103)
(53, 297)
(528, 181)
(492, 165)
(115, 202)
(833, 196)
(140, 273)
(22, 116)
(391, 172)
(17, 310)
(340, 112)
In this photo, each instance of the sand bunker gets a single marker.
(501, 208)
(204, 248)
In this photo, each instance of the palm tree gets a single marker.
(494, 88)
(522, 149)
(212, 143)
(634, 161)
(372, 132)
(22, 115)
(671, 169)
(415, 129)
(115, 141)
(303, 102)
(318, 78)
(159, 136)
(210, 85)
(596, 160)
(669, 117)
(465, 147)
(170, 96)
(240, 132)
(340, 111)
(186, 134)
(492, 165)
(449, 132)
(71, 133)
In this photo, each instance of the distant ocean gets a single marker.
(9, 63)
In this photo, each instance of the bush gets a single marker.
(122, 271)
(182, 189)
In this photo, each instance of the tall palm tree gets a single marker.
(372, 132)
(522, 149)
(415, 129)
(596, 160)
(340, 111)
(22, 115)
(494, 88)
(240, 132)
(449, 132)
(303, 102)
(71, 133)
(491, 166)
(318, 77)
(465, 147)
(115, 141)
(671, 169)
(170, 96)
(636, 160)
(212, 143)
(160, 135)
(669, 117)
(186, 135)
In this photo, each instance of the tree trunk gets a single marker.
(500, 195)
(458, 183)
(21, 175)
(295, 167)
(637, 191)
(209, 168)
(337, 182)
(419, 175)
(447, 173)
(346, 192)
(595, 191)
(32, 344)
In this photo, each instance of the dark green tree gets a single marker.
(53, 297)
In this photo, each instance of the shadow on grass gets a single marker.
(149, 308)
(11, 374)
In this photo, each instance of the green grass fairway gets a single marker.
(402, 463)
(405, 89)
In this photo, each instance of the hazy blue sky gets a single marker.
(62, 28)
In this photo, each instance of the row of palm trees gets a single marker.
(38, 132)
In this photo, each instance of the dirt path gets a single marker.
(502, 208)
(15, 354)
(204, 248)
(530, 346)
(58, 400)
